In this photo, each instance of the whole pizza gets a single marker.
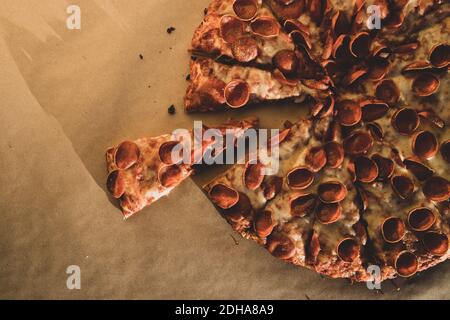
(364, 180)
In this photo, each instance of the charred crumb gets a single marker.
(170, 30)
(205, 11)
(171, 109)
(188, 77)
(193, 58)
(141, 56)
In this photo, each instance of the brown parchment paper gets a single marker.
(67, 95)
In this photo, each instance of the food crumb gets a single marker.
(170, 30)
(307, 297)
(188, 77)
(141, 56)
(171, 109)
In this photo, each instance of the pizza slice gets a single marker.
(215, 86)
(240, 30)
(319, 227)
(244, 190)
(142, 171)
(339, 236)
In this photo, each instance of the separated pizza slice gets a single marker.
(215, 86)
(240, 30)
(142, 171)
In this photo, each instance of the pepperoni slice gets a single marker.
(425, 84)
(280, 246)
(387, 91)
(405, 121)
(170, 176)
(316, 158)
(373, 110)
(300, 178)
(303, 205)
(231, 28)
(127, 154)
(421, 219)
(359, 142)
(253, 175)
(425, 144)
(244, 49)
(263, 224)
(406, 264)
(393, 229)
(440, 55)
(332, 192)
(335, 154)
(165, 152)
(348, 112)
(242, 210)
(245, 9)
(115, 183)
(266, 27)
(403, 186)
(237, 93)
(435, 243)
(223, 196)
(348, 250)
(366, 170)
(286, 61)
(328, 213)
